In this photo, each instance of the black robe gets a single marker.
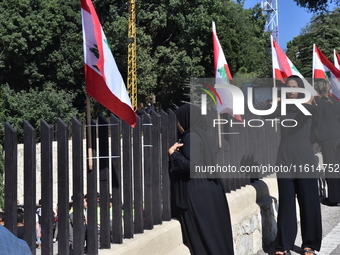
(328, 135)
(202, 204)
(296, 153)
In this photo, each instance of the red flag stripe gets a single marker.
(216, 52)
(110, 101)
(283, 61)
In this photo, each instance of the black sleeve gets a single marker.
(337, 103)
(179, 163)
(275, 114)
(190, 155)
(315, 134)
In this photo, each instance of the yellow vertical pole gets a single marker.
(132, 70)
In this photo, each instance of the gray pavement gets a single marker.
(55, 249)
(331, 236)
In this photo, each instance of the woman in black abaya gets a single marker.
(202, 204)
(296, 151)
(328, 134)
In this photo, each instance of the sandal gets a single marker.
(308, 251)
(282, 253)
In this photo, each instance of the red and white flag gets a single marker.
(221, 68)
(336, 60)
(324, 69)
(222, 76)
(103, 80)
(283, 67)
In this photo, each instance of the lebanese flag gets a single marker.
(222, 76)
(221, 67)
(283, 67)
(324, 69)
(336, 60)
(103, 79)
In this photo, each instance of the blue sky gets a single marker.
(291, 19)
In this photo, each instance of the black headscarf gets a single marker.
(293, 107)
(191, 120)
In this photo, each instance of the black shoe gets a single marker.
(325, 201)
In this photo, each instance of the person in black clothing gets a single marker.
(328, 137)
(149, 108)
(202, 205)
(20, 226)
(296, 150)
(140, 110)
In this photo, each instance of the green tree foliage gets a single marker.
(324, 32)
(316, 5)
(2, 171)
(40, 43)
(174, 41)
(34, 105)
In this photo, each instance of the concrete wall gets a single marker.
(253, 214)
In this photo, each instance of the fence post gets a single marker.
(11, 176)
(117, 232)
(103, 134)
(172, 138)
(127, 180)
(147, 147)
(78, 187)
(247, 149)
(63, 188)
(156, 169)
(236, 141)
(30, 185)
(166, 190)
(138, 177)
(46, 188)
(92, 222)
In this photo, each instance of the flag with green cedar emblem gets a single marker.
(283, 67)
(103, 79)
(324, 69)
(222, 76)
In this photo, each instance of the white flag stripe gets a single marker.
(336, 60)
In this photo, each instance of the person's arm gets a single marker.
(314, 109)
(179, 163)
(190, 155)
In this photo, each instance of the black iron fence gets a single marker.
(133, 171)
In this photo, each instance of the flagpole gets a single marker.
(274, 84)
(89, 135)
(313, 65)
(219, 131)
(274, 78)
